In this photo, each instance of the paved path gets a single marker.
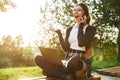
(105, 77)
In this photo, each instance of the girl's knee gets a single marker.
(37, 59)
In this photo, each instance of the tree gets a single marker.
(62, 11)
(109, 12)
(47, 37)
(5, 4)
(12, 54)
(18, 41)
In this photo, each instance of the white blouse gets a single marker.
(73, 38)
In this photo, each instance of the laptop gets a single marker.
(51, 55)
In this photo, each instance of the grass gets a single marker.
(17, 73)
(31, 72)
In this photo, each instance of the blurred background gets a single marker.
(25, 24)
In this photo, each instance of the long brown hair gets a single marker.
(86, 11)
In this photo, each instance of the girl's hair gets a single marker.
(86, 12)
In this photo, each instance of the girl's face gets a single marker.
(78, 13)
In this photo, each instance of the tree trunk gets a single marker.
(118, 46)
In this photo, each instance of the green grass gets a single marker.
(17, 73)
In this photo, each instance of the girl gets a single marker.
(78, 44)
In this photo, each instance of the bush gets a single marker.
(98, 54)
(5, 62)
(110, 53)
(105, 64)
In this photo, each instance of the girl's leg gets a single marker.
(48, 68)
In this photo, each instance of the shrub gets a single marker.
(5, 62)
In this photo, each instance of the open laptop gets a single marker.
(51, 55)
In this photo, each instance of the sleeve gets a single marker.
(87, 38)
(63, 42)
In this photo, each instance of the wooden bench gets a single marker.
(115, 71)
(44, 78)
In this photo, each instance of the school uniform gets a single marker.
(78, 39)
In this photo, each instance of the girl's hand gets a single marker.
(53, 28)
(83, 20)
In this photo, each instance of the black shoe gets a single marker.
(67, 77)
(90, 77)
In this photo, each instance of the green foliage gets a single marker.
(62, 11)
(104, 64)
(12, 53)
(107, 14)
(107, 53)
(98, 55)
(5, 62)
(110, 51)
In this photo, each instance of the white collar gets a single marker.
(76, 26)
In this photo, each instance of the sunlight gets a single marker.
(22, 20)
